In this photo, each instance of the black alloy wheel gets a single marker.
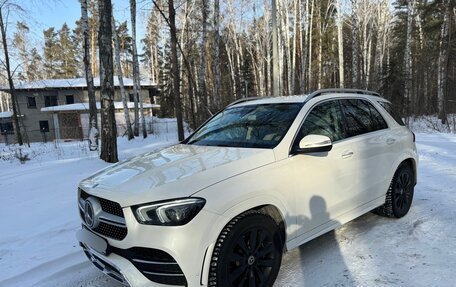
(248, 252)
(400, 193)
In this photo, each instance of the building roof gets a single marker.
(78, 83)
(85, 107)
(7, 114)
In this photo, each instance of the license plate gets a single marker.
(93, 241)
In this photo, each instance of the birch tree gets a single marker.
(442, 76)
(123, 93)
(340, 42)
(217, 51)
(108, 120)
(408, 58)
(93, 117)
(136, 77)
(354, 18)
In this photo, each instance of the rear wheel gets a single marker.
(248, 252)
(400, 193)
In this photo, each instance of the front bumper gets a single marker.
(159, 255)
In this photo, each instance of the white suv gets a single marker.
(262, 176)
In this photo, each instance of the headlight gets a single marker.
(169, 213)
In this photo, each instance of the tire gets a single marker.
(237, 262)
(400, 193)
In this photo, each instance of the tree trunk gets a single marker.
(408, 59)
(442, 76)
(310, 46)
(121, 82)
(10, 81)
(93, 115)
(340, 42)
(275, 53)
(203, 67)
(108, 120)
(355, 75)
(175, 69)
(136, 78)
(217, 53)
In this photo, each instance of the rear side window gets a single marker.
(389, 108)
(361, 117)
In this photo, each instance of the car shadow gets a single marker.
(318, 262)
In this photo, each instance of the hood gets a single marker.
(178, 171)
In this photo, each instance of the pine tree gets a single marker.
(51, 50)
(66, 53)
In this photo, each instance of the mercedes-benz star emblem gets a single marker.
(92, 209)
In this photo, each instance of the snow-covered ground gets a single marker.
(39, 218)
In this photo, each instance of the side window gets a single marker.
(377, 118)
(44, 126)
(389, 108)
(31, 102)
(361, 117)
(69, 99)
(324, 119)
(50, 101)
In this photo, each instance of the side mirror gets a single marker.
(314, 143)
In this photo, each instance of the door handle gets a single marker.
(347, 154)
(390, 141)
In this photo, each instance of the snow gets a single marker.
(6, 114)
(39, 217)
(85, 107)
(74, 83)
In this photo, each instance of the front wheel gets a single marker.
(248, 252)
(400, 193)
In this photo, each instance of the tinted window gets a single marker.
(361, 117)
(31, 102)
(50, 101)
(325, 119)
(389, 108)
(377, 118)
(255, 126)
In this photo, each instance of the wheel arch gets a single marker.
(412, 164)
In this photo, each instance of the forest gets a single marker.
(205, 54)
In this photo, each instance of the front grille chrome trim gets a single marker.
(163, 274)
(153, 262)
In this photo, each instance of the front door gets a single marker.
(70, 126)
(325, 182)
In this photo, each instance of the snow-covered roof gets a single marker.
(73, 83)
(6, 114)
(85, 107)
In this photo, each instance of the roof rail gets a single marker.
(248, 99)
(350, 91)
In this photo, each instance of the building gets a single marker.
(58, 109)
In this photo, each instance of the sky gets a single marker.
(42, 14)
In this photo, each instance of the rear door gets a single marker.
(369, 137)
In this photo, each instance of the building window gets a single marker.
(6, 128)
(44, 126)
(69, 99)
(50, 101)
(31, 102)
(131, 98)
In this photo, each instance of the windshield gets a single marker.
(252, 126)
